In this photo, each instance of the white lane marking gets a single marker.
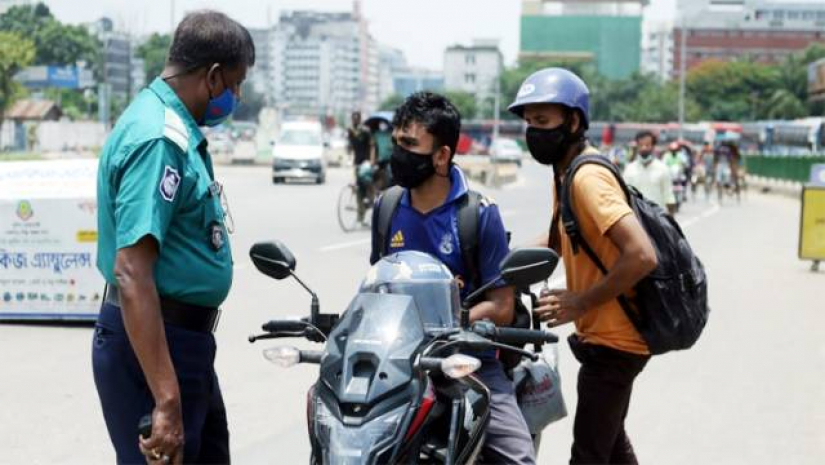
(344, 245)
(704, 215)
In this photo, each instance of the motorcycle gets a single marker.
(397, 380)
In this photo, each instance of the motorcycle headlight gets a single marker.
(345, 445)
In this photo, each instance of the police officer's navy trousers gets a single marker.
(125, 396)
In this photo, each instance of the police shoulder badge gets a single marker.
(169, 183)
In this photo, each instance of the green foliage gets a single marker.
(15, 54)
(465, 102)
(391, 103)
(55, 43)
(716, 90)
(154, 53)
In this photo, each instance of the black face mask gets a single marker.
(549, 146)
(410, 169)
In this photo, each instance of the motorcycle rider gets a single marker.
(555, 104)
(425, 135)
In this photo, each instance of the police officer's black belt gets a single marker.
(177, 313)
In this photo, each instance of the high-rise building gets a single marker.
(414, 80)
(657, 51)
(391, 64)
(474, 69)
(760, 30)
(260, 76)
(320, 64)
(608, 33)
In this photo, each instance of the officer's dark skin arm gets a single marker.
(144, 325)
(499, 307)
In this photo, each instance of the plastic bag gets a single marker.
(538, 390)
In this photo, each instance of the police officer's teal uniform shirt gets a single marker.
(155, 178)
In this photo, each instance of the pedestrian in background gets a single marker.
(650, 175)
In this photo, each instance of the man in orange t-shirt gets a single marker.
(555, 102)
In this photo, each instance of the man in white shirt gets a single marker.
(650, 175)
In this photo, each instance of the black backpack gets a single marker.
(468, 221)
(672, 301)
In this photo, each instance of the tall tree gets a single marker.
(391, 103)
(15, 54)
(465, 102)
(55, 43)
(154, 53)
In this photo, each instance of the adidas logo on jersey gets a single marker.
(397, 241)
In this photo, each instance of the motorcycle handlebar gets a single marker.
(520, 337)
(284, 326)
(311, 356)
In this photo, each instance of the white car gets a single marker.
(298, 153)
(505, 151)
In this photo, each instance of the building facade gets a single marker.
(608, 33)
(763, 31)
(416, 80)
(474, 69)
(657, 51)
(319, 64)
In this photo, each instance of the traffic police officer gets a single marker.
(164, 252)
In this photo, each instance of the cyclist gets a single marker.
(362, 148)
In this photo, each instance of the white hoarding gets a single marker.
(48, 240)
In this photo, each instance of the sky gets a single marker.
(421, 28)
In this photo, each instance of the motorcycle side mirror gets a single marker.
(273, 259)
(524, 267)
(520, 268)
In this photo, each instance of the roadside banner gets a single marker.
(48, 240)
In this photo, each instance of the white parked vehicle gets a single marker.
(299, 153)
(505, 151)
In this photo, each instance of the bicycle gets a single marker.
(348, 201)
(348, 209)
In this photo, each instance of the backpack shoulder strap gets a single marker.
(468, 221)
(568, 216)
(387, 205)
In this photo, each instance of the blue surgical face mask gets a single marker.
(220, 108)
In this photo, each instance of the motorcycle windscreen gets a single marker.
(437, 301)
(369, 353)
